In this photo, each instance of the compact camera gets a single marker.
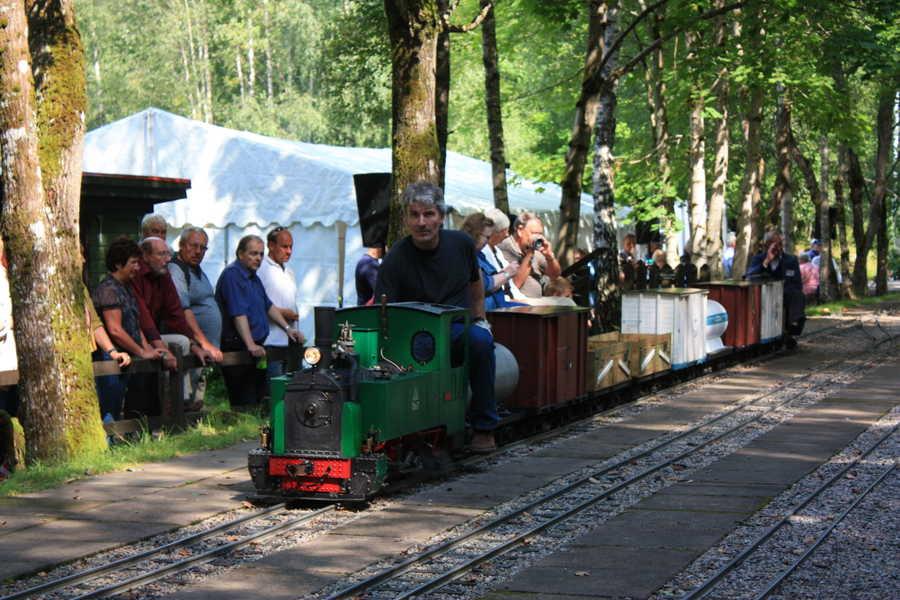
(537, 245)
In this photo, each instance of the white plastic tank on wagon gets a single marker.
(679, 312)
(771, 311)
(716, 324)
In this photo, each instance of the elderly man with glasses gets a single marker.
(198, 299)
(162, 317)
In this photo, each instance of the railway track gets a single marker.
(437, 567)
(187, 552)
(711, 583)
(179, 555)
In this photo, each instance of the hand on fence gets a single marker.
(201, 353)
(168, 359)
(295, 335)
(214, 353)
(256, 351)
(123, 358)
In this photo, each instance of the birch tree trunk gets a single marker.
(841, 210)
(698, 204)
(492, 104)
(781, 207)
(877, 213)
(42, 104)
(251, 58)
(751, 183)
(413, 26)
(659, 121)
(883, 170)
(580, 137)
(267, 34)
(720, 171)
(827, 277)
(209, 115)
(609, 300)
(240, 75)
(442, 89)
(857, 185)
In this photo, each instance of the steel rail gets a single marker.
(703, 590)
(203, 557)
(796, 564)
(92, 573)
(460, 570)
(403, 566)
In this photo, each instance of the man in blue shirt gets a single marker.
(246, 310)
(435, 265)
(367, 274)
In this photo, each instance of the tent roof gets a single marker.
(238, 177)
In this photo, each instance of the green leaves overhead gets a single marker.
(319, 70)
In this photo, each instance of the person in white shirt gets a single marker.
(495, 257)
(281, 288)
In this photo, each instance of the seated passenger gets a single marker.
(528, 247)
(560, 288)
(773, 263)
(660, 273)
(439, 266)
(480, 228)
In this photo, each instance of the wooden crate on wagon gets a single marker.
(649, 353)
(607, 361)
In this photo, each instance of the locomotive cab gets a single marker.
(392, 379)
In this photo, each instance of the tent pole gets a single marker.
(342, 253)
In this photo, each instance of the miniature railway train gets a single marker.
(386, 382)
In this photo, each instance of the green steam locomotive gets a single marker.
(392, 381)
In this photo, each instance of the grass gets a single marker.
(218, 429)
(831, 308)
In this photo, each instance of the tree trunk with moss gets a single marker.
(42, 104)
(414, 26)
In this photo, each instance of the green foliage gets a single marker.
(218, 429)
(831, 308)
(331, 75)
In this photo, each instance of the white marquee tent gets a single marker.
(245, 183)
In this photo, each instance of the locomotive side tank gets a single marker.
(394, 380)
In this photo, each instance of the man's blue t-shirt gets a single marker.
(240, 292)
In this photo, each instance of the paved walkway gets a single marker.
(39, 530)
(635, 553)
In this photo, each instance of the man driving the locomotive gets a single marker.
(435, 265)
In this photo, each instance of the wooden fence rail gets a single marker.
(170, 384)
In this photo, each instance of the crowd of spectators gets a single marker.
(151, 300)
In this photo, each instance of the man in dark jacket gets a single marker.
(775, 264)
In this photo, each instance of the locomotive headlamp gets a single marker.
(312, 356)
